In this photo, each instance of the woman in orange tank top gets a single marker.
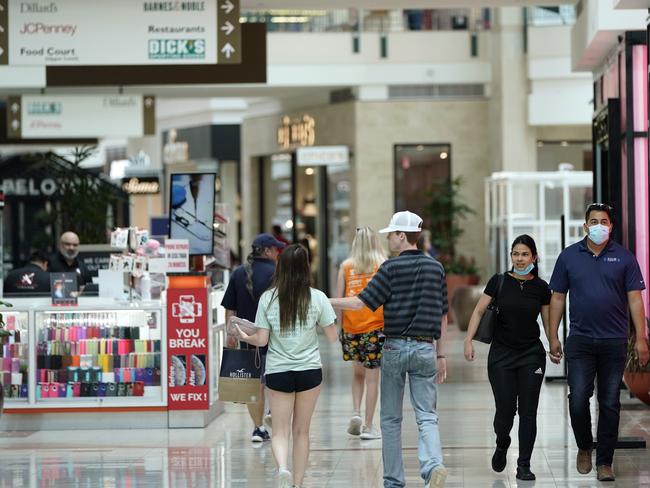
(361, 335)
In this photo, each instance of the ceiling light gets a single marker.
(419, 148)
(309, 171)
(288, 224)
(443, 155)
(564, 143)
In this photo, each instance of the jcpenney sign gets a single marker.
(42, 28)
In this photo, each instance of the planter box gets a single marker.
(454, 281)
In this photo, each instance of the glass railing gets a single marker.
(371, 20)
(559, 15)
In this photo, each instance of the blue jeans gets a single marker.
(602, 360)
(418, 359)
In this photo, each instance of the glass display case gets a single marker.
(99, 355)
(14, 357)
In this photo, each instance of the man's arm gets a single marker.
(635, 301)
(441, 361)
(231, 340)
(558, 301)
(347, 303)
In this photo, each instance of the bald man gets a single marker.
(65, 260)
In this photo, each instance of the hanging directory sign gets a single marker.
(120, 32)
(65, 116)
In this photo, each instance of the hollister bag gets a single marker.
(485, 330)
(240, 375)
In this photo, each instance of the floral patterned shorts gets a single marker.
(363, 348)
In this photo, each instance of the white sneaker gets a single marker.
(368, 433)
(437, 478)
(354, 427)
(268, 421)
(285, 478)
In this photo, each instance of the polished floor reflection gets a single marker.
(221, 455)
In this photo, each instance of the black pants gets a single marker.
(516, 377)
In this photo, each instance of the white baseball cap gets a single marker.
(403, 222)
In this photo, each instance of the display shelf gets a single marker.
(14, 357)
(98, 355)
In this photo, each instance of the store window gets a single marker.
(311, 205)
(555, 155)
(418, 168)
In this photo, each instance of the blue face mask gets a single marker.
(598, 233)
(525, 271)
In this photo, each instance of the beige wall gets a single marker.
(381, 125)
(371, 129)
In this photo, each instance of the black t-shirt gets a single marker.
(520, 303)
(58, 264)
(237, 296)
(28, 279)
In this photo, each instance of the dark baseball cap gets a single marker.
(267, 240)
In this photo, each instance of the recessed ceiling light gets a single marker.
(309, 171)
(443, 155)
(564, 143)
(419, 147)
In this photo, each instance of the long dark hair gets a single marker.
(248, 269)
(529, 242)
(291, 283)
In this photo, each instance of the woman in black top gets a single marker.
(517, 359)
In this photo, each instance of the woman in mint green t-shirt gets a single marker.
(287, 319)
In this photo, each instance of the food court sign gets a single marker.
(119, 32)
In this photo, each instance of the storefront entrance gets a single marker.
(311, 205)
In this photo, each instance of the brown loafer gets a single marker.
(605, 473)
(583, 461)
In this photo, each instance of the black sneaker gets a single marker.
(499, 459)
(524, 473)
(260, 434)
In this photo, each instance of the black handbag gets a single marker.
(485, 330)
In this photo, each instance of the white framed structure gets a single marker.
(533, 203)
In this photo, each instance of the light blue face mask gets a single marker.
(598, 233)
(525, 271)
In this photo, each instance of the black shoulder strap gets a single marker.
(495, 299)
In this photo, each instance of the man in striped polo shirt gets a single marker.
(413, 291)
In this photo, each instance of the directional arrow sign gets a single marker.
(227, 6)
(229, 32)
(228, 28)
(228, 50)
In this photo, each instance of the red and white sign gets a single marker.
(187, 349)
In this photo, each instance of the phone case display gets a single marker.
(98, 354)
(14, 356)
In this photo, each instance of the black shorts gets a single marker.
(294, 381)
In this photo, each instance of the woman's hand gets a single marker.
(241, 334)
(469, 350)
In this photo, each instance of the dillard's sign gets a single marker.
(297, 132)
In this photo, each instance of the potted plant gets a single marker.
(446, 212)
(637, 377)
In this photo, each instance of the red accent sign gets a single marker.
(187, 349)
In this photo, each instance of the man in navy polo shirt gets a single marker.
(604, 281)
(242, 296)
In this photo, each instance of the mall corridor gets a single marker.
(221, 455)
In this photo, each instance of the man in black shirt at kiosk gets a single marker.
(65, 260)
(31, 278)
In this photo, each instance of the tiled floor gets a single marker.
(222, 456)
